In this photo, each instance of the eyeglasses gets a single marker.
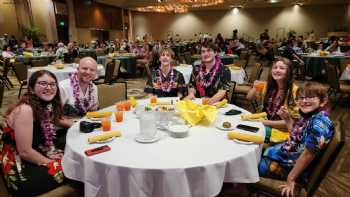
(45, 84)
(307, 99)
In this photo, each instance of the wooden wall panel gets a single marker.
(97, 15)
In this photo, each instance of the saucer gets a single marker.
(178, 131)
(242, 142)
(105, 141)
(219, 126)
(146, 141)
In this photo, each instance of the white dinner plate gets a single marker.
(242, 142)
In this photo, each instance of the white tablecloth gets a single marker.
(345, 76)
(62, 74)
(186, 70)
(195, 166)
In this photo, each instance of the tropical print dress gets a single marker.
(166, 86)
(312, 131)
(24, 178)
(208, 84)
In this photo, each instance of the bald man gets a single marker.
(78, 93)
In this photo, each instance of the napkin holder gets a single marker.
(87, 127)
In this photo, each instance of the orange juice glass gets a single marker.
(118, 116)
(259, 86)
(153, 99)
(127, 105)
(205, 101)
(120, 106)
(106, 124)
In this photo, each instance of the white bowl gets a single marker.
(178, 130)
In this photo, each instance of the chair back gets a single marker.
(116, 69)
(77, 60)
(109, 94)
(332, 76)
(344, 62)
(230, 92)
(109, 72)
(187, 56)
(2, 90)
(39, 63)
(6, 68)
(326, 159)
(21, 71)
(244, 55)
(255, 73)
(100, 52)
(240, 62)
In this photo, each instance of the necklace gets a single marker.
(213, 72)
(83, 105)
(165, 85)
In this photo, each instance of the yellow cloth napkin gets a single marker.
(98, 114)
(27, 54)
(245, 137)
(104, 136)
(254, 117)
(194, 113)
(278, 136)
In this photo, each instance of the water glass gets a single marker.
(148, 128)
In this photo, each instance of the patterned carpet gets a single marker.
(337, 181)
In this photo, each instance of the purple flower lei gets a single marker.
(84, 105)
(213, 72)
(170, 83)
(47, 126)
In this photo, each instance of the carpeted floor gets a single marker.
(337, 181)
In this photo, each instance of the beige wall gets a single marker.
(8, 20)
(44, 18)
(250, 22)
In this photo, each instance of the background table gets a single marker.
(186, 70)
(195, 166)
(128, 63)
(62, 74)
(315, 66)
(28, 59)
(225, 59)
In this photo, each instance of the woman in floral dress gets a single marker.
(166, 81)
(30, 161)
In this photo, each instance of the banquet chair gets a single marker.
(187, 56)
(242, 89)
(344, 62)
(336, 87)
(39, 63)
(270, 187)
(108, 74)
(21, 72)
(241, 63)
(116, 69)
(109, 94)
(6, 69)
(2, 91)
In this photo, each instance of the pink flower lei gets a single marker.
(84, 105)
(170, 83)
(213, 72)
(48, 127)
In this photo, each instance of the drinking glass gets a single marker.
(106, 124)
(118, 116)
(148, 128)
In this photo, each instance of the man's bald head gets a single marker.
(87, 70)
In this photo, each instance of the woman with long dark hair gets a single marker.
(279, 91)
(30, 159)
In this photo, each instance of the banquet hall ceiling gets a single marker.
(132, 4)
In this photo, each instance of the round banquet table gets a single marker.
(195, 166)
(237, 75)
(315, 65)
(62, 74)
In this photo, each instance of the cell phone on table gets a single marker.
(97, 150)
(247, 128)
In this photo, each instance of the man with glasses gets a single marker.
(78, 93)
